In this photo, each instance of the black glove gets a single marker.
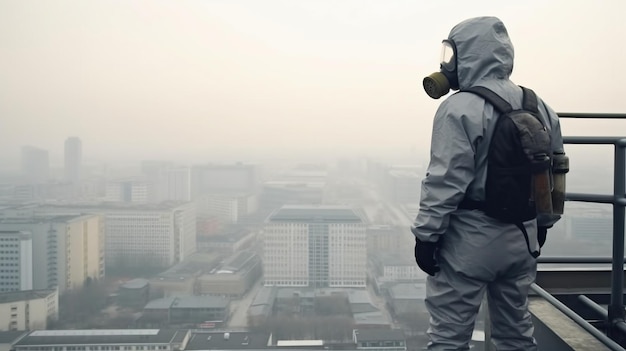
(425, 256)
(542, 233)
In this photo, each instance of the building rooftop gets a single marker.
(200, 302)
(9, 337)
(101, 336)
(294, 184)
(370, 318)
(138, 283)
(233, 341)
(315, 213)
(369, 334)
(188, 302)
(117, 206)
(407, 291)
(23, 295)
(264, 296)
(238, 261)
(388, 259)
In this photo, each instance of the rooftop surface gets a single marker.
(380, 335)
(137, 283)
(235, 340)
(315, 213)
(188, 302)
(103, 336)
(23, 295)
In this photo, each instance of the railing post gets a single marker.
(616, 308)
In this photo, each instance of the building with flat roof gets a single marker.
(35, 165)
(16, 260)
(67, 250)
(141, 235)
(134, 293)
(390, 267)
(190, 311)
(8, 338)
(73, 159)
(27, 310)
(379, 339)
(234, 277)
(127, 190)
(315, 246)
(230, 340)
(235, 178)
(102, 339)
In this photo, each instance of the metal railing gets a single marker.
(614, 317)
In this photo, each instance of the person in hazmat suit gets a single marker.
(465, 252)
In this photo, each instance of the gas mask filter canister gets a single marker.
(439, 83)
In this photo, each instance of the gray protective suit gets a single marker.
(477, 253)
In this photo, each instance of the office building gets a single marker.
(16, 261)
(223, 178)
(67, 250)
(103, 339)
(35, 165)
(151, 235)
(228, 208)
(233, 278)
(154, 235)
(73, 159)
(315, 246)
(28, 310)
(166, 182)
(127, 190)
(403, 185)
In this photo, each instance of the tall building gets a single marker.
(213, 178)
(403, 185)
(158, 236)
(130, 190)
(73, 159)
(228, 208)
(176, 184)
(35, 165)
(16, 261)
(154, 235)
(315, 246)
(166, 182)
(67, 250)
(28, 310)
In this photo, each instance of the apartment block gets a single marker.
(28, 310)
(16, 261)
(67, 250)
(315, 246)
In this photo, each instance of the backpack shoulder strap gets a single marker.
(494, 99)
(530, 102)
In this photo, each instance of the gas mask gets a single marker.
(439, 83)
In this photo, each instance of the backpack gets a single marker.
(520, 147)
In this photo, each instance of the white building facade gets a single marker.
(28, 310)
(16, 261)
(158, 236)
(67, 250)
(315, 246)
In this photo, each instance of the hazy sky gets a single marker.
(203, 79)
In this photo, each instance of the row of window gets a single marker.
(89, 348)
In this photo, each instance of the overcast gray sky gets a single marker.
(200, 79)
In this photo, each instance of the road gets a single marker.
(239, 307)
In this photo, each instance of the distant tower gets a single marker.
(73, 159)
(35, 165)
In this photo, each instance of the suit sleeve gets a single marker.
(450, 171)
